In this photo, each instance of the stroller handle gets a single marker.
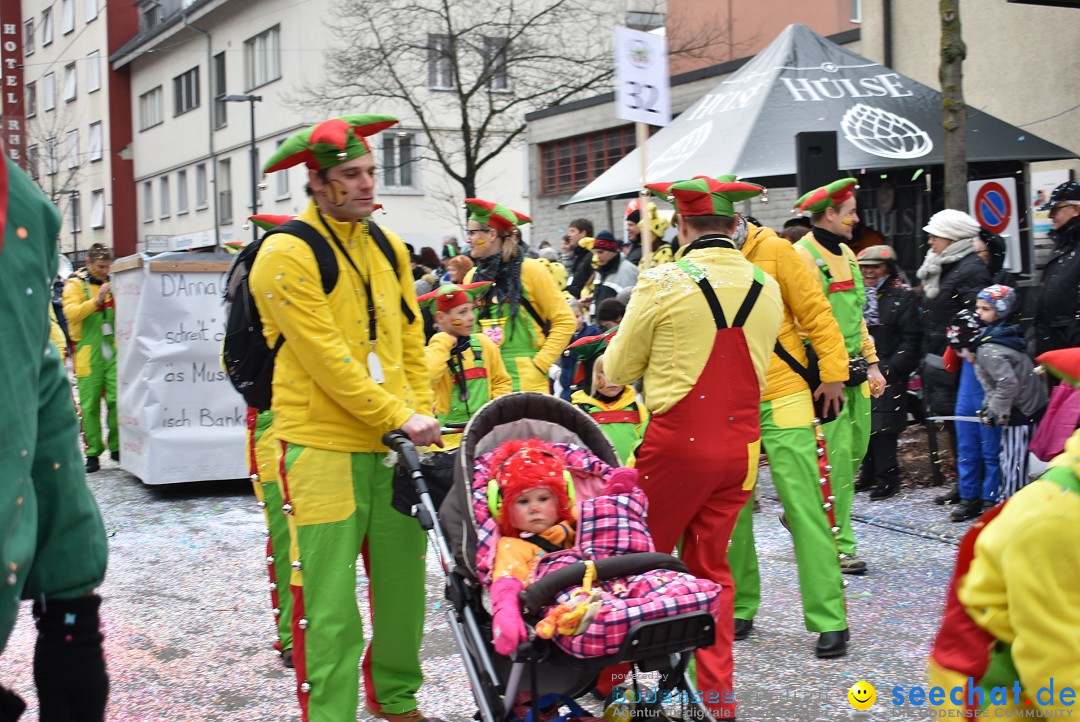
(400, 442)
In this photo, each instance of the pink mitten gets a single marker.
(507, 626)
(623, 480)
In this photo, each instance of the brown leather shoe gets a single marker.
(413, 715)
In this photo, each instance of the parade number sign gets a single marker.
(180, 419)
(642, 87)
(993, 204)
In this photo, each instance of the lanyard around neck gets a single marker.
(366, 281)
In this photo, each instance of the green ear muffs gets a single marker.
(494, 494)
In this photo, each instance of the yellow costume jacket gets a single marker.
(805, 309)
(442, 382)
(1023, 588)
(77, 306)
(324, 396)
(667, 333)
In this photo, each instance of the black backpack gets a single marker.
(245, 354)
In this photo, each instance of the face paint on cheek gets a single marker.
(847, 221)
(481, 243)
(455, 322)
(336, 193)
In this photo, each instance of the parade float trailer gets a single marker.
(180, 418)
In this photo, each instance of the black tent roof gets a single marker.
(802, 82)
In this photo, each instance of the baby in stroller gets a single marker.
(529, 525)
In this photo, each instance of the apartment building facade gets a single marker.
(65, 132)
(200, 70)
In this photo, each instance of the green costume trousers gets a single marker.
(338, 506)
(847, 437)
(52, 541)
(96, 377)
(792, 453)
(263, 461)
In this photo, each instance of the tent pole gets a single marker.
(646, 228)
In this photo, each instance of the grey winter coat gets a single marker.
(1008, 377)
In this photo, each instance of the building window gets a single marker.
(51, 165)
(281, 181)
(32, 161)
(71, 80)
(150, 13)
(856, 11)
(93, 71)
(148, 202)
(441, 63)
(31, 100)
(67, 16)
(73, 149)
(46, 27)
(163, 187)
(220, 106)
(224, 191)
(181, 192)
(399, 160)
(186, 92)
(75, 209)
(262, 58)
(498, 80)
(28, 37)
(91, 9)
(200, 187)
(150, 108)
(48, 91)
(94, 152)
(568, 165)
(97, 209)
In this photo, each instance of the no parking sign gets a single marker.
(992, 203)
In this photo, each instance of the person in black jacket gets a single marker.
(892, 317)
(1057, 311)
(577, 259)
(990, 248)
(952, 276)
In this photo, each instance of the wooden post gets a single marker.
(646, 230)
(953, 52)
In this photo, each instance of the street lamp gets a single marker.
(254, 159)
(73, 197)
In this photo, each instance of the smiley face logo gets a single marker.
(862, 695)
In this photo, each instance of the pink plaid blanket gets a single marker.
(607, 526)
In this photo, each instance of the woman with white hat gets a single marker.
(952, 276)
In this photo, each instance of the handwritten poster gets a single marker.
(180, 418)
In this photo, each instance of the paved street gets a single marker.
(188, 628)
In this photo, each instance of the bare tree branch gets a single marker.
(463, 74)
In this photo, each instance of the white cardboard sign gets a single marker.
(642, 84)
(180, 418)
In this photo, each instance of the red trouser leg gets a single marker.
(705, 522)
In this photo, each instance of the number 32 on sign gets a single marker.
(642, 88)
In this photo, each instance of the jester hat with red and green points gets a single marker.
(587, 348)
(817, 200)
(1063, 363)
(330, 143)
(491, 214)
(449, 296)
(270, 221)
(705, 196)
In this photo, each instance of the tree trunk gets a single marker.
(953, 113)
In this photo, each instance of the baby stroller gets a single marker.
(540, 666)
